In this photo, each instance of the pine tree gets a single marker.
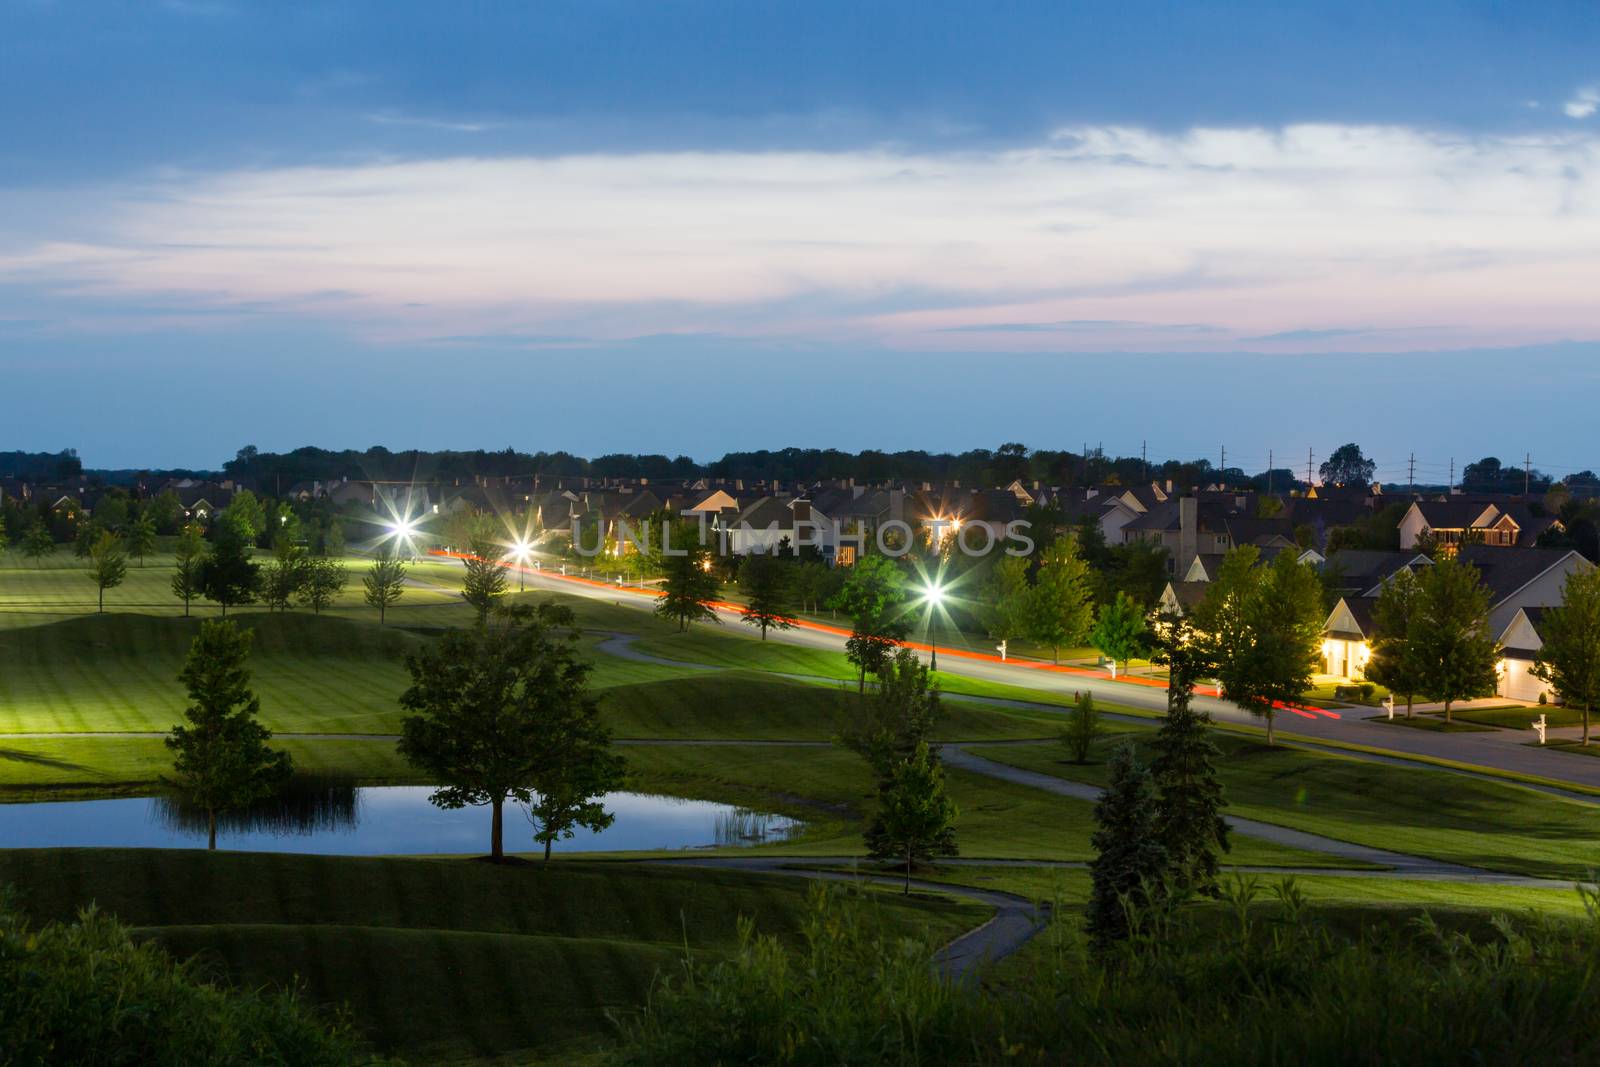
(915, 821)
(1189, 796)
(384, 581)
(1129, 862)
(1083, 726)
(221, 759)
(769, 585)
(689, 586)
(227, 575)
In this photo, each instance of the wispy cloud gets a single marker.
(392, 118)
(1584, 102)
(1103, 236)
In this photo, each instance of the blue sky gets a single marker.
(699, 227)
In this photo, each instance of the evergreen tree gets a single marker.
(324, 581)
(689, 586)
(897, 716)
(485, 579)
(227, 575)
(142, 537)
(1061, 606)
(768, 582)
(1570, 657)
(1394, 664)
(108, 564)
(221, 759)
(384, 581)
(1083, 726)
(1189, 796)
(1129, 862)
(1453, 644)
(1119, 631)
(190, 555)
(915, 821)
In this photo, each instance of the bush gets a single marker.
(87, 993)
(1244, 981)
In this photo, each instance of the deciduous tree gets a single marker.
(1347, 466)
(141, 539)
(1570, 656)
(324, 581)
(190, 553)
(1120, 632)
(285, 575)
(384, 581)
(220, 758)
(1393, 663)
(108, 564)
(689, 586)
(872, 595)
(1061, 606)
(1005, 598)
(485, 580)
(496, 707)
(1454, 647)
(37, 542)
(227, 574)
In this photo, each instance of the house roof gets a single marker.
(1506, 570)
(1456, 514)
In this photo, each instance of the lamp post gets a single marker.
(933, 596)
(520, 552)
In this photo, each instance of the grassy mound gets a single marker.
(751, 706)
(436, 958)
(119, 672)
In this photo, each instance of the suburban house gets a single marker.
(1519, 581)
(1190, 527)
(1519, 643)
(1448, 521)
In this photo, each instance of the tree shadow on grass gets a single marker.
(17, 755)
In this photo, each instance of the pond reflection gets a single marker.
(334, 817)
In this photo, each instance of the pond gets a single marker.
(335, 818)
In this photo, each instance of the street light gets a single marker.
(933, 596)
(520, 552)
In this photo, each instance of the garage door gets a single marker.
(1520, 684)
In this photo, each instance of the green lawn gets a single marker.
(1431, 721)
(439, 959)
(831, 789)
(1447, 816)
(1516, 717)
(749, 705)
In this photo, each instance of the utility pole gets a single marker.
(1222, 469)
(1269, 472)
(1411, 475)
(1451, 488)
(1527, 469)
(1309, 455)
(1144, 460)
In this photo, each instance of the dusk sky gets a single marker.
(693, 228)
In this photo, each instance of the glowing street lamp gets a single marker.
(933, 596)
(520, 552)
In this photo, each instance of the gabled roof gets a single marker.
(1506, 570)
(1351, 618)
(769, 511)
(1456, 514)
(1366, 569)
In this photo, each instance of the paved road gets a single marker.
(1502, 749)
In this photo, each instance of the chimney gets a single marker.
(802, 511)
(1188, 533)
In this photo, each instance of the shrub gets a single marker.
(1256, 979)
(87, 992)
